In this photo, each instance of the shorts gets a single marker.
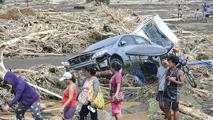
(116, 108)
(168, 104)
(207, 15)
(69, 112)
(159, 96)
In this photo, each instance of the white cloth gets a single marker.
(161, 74)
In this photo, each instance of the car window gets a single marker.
(103, 43)
(140, 40)
(156, 36)
(129, 40)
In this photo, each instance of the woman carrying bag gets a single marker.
(91, 89)
(116, 95)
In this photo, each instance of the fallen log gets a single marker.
(45, 90)
(173, 20)
(185, 104)
(207, 79)
(194, 113)
(106, 74)
(24, 70)
(125, 88)
(67, 20)
(198, 91)
(114, 17)
(201, 90)
(40, 54)
(51, 110)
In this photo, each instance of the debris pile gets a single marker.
(48, 31)
(197, 47)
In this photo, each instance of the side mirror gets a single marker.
(123, 43)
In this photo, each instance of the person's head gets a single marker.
(115, 67)
(165, 63)
(173, 61)
(178, 5)
(197, 9)
(90, 71)
(11, 78)
(68, 78)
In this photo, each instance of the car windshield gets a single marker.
(103, 43)
(156, 36)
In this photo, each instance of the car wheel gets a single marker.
(116, 60)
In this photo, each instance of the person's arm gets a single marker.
(95, 88)
(71, 92)
(17, 96)
(180, 77)
(118, 89)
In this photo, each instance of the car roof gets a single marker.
(103, 43)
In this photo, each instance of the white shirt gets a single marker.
(161, 74)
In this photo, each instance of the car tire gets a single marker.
(118, 60)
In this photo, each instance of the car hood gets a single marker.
(103, 43)
(147, 50)
(156, 30)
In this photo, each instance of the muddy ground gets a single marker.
(146, 108)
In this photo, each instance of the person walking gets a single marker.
(25, 95)
(70, 96)
(207, 12)
(197, 13)
(116, 95)
(174, 79)
(161, 74)
(89, 106)
(180, 12)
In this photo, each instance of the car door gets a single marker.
(157, 32)
(130, 43)
(145, 48)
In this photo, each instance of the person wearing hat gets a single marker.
(70, 96)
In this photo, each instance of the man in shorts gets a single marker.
(180, 12)
(174, 79)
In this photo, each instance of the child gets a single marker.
(197, 13)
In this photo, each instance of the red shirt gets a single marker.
(116, 78)
(74, 97)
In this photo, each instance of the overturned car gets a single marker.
(151, 38)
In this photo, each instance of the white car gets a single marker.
(150, 38)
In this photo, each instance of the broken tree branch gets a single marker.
(194, 113)
(66, 20)
(45, 90)
(40, 54)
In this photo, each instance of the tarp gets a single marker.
(208, 63)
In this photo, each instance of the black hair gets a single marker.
(173, 59)
(91, 70)
(117, 66)
(73, 79)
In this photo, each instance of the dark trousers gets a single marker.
(84, 112)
